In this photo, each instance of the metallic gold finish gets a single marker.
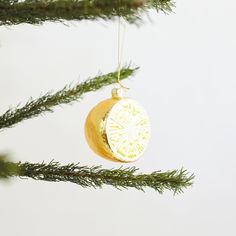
(118, 129)
(117, 93)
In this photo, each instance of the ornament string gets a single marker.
(120, 51)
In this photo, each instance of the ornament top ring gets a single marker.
(118, 128)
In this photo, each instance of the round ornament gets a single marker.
(118, 128)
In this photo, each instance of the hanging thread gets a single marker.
(120, 52)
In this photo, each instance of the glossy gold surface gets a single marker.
(117, 129)
(95, 128)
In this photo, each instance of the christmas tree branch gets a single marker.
(37, 11)
(68, 94)
(121, 178)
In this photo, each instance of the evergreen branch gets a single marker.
(68, 94)
(37, 11)
(7, 168)
(96, 177)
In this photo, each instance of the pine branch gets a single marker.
(68, 94)
(97, 177)
(7, 168)
(37, 11)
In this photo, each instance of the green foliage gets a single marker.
(175, 180)
(37, 11)
(96, 177)
(7, 168)
(68, 94)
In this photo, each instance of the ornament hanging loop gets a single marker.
(120, 53)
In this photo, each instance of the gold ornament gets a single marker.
(118, 128)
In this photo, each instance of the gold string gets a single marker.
(120, 52)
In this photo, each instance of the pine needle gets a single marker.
(14, 12)
(67, 95)
(96, 177)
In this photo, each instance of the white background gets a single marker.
(187, 85)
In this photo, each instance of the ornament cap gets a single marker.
(117, 93)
